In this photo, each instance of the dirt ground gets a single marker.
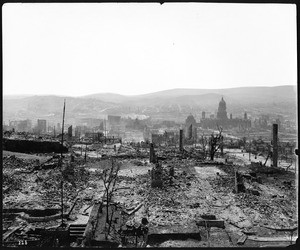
(200, 189)
(196, 189)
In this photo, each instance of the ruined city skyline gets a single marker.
(149, 125)
(173, 104)
(134, 48)
(131, 182)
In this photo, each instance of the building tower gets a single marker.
(222, 114)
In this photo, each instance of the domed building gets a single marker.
(222, 114)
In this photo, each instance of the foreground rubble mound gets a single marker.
(184, 201)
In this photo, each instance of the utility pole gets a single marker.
(85, 152)
(61, 162)
(105, 131)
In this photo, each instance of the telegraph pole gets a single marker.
(105, 130)
(61, 162)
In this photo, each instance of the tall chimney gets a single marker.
(275, 144)
(180, 139)
(151, 153)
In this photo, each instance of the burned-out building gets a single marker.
(21, 126)
(190, 127)
(41, 126)
(89, 122)
(157, 138)
(95, 136)
(115, 125)
(70, 132)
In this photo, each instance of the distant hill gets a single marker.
(9, 97)
(243, 94)
(108, 97)
(43, 106)
(281, 99)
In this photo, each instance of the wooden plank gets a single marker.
(276, 245)
(134, 210)
(249, 232)
(282, 229)
(92, 222)
(69, 213)
(10, 231)
(242, 239)
(273, 239)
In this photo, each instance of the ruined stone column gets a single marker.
(180, 139)
(275, 145)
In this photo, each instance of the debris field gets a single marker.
(186, 201)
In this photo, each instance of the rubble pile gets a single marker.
(10, 182)
(189, 187)
(223, 184)
(258, 168)
(14, 162)
(166, 206)
(13, 173)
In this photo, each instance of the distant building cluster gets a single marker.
(156, 131)
(223, 121)
(211, 122)
(23, 125)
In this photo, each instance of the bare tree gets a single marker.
(109, 177)
(204, 143)
(215, 142)
(269, 155)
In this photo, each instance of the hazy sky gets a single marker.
(77, 49)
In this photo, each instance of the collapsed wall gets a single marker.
(28, 146)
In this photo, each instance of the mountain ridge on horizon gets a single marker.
(175, 102)
(176, 91)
